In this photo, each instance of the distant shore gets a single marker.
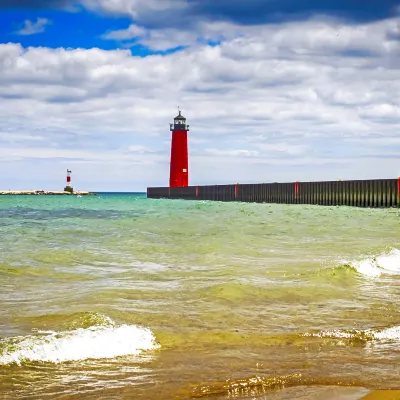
(44, 193)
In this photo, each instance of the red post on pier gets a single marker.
(179, 166)
(197, 191)
(398, 190)
(296, 189)
(236, 191)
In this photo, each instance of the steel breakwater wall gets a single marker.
(357, 193)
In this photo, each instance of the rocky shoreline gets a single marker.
(44, 193)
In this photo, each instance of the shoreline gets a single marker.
(43, 193)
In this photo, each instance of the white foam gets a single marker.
(367, 267)
(95, 342)
(337, 334)
(388, 263)
(387, 334)
(392, 333)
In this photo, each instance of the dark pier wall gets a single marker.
(361, 193)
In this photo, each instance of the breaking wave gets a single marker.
(391, 334)
(385, 263)
(94, 342)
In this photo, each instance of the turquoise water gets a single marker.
(123, 295)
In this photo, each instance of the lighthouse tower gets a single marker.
(179, 168)
(68, 187)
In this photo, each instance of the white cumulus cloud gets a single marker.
(133, 31)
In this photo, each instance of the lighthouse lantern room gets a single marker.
(179, 168)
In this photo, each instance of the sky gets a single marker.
(274, 91)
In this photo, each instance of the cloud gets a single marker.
(133, 31)
(32, 28)
(232, 153)
(13, 137)
(277, 102)
(167, 24)
(76, 154)
(254, 12)
(148, 10)
(250, 12)
(310, 36)
(39, 4)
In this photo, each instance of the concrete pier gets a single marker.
(44, 193)
(356, 193)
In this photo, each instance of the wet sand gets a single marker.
(319, 393)
(331, 393)
(382, 395)
(298, 393)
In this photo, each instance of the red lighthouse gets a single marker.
(179, 168)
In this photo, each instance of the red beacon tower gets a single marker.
(179, 168)
(68, 187)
